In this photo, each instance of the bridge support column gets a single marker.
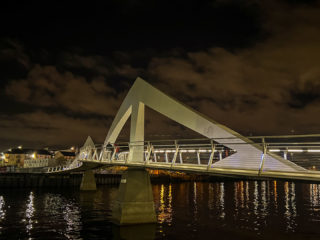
(88, 182)
(134, 203)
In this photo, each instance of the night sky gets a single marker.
(252, 65)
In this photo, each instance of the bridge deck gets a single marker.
(205, 158)
(221, 172)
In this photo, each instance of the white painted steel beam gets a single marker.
(247, 156)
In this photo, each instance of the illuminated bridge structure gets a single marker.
(222, 152)
(201, 156)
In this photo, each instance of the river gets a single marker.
(188, 210)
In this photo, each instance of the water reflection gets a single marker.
(255, 199)
(211, 197)
(73, 221)
(275, 194)
(235, 198)
(242, 194)
(195, 212)
(66, 211)
(254, 206)
(314, 203)
(221, 194)
(315, 196)
(264, 202)
(247, 195)
(29, 213)
(2, 211)
(52, 204)
(189, 210)
(293, 200)
(290, 206)
(165, 205)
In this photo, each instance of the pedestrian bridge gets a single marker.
(222, 151)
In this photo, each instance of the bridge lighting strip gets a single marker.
(158, 151)
(183, 151)
(191, 150)
(274, 150)
(168, 151)
(204, 150)
(295, 150)
(313, 150)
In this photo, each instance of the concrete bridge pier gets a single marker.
(88, 182)
(134, 203)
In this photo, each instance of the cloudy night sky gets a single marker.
(252, 65)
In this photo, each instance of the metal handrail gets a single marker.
(158, 151)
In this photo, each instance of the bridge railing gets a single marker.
(303, 150)
(155, 152)
(62, 168)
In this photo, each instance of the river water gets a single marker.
(189, 210)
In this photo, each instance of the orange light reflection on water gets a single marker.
(165, 208)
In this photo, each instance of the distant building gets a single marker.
(26, 158)
(15, 157)
(31, 158)
(2, 157)
(39, 158)
(62, 157)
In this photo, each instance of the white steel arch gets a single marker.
(247, 156)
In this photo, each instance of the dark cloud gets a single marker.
(309, 94)
(268, 88)
(98, 65)
(46, 86)
(251, 65)
(12, 50)
(45, 129)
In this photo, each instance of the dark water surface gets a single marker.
(193, 210)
